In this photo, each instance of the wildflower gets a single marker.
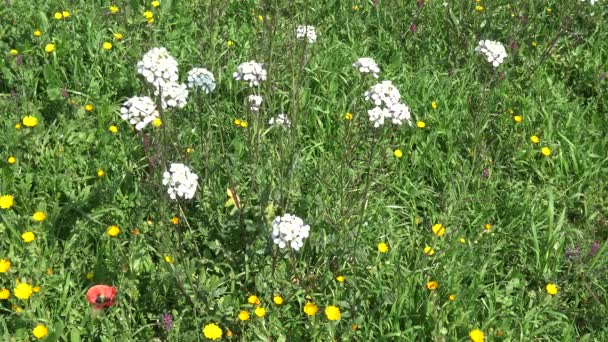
(212, 331)
(6, 201)
(202, 78)
(434, 105)
(366, 65)
(230, 43)
(113, 231)
(517, 118)
(181, 181)
(332, 312)
(348, 116)
(175, 220)
(438, 229)
(5, 265)
(155, 3)
(398, 153)
(158, 67)
(16, 308)
(289, 230)
(545, 151)
(139, 111)
(169, 259)
(260, 312)
(167, 321)
(340, 278)
(28, 237)
(37, 33)
(107, 46)
(18, 125)
(595, 247)
(65, 14)
(535, 139)
(118, 36)
(252, 72)
(5, 294)
(432, 285)
(534, 44)
(356, 8)
(420, 124)
(173, 94)
(49, 47)
(385, 97)
(149, 16)
(462, 240)
(452, 297)
(114, 9)
(36, 289)
(244, 315)
(549, 10)
(253, 299)
(58, 15)
(479, 8)
(278, 300)
(100, 173)
(354, 327)
(494, 51)
(228, 333)
(49, 271)
(260, 17)
(310, 309)
(255, 102)
(101, 296)
(40, 331)
(30, 121)
(135, 231)
(90, 275)
(89, 107)
(157, 122)
(113, 129)
(39, 216)
(383, 247)
(281, 120)
(23, 291)
(477, 335)
(14, 52)
(308, 32)
(428, 250)
(551, 289)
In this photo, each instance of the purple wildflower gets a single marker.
(166, 321)
(595, 247)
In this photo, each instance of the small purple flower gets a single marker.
(166, 321)
(485, 173)
(595, 247)
(64, 93)
(19, 60)
(420, 3)
(413, 28)
(514, 45)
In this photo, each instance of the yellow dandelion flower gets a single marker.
(157, 122)
(113, 231)
(348, 116)
(175, 220)
(212, 331)
(148, 15)
(432, 285)
(11, 160)
(40, 331)
(113, 129)
(244, 124)
(90, 275)
(434, 105)
(169, 259)
(462, 240)
(39, 216)
(278, 300)
(477, 335)
(534, 139)
(229, 43)
(37, 33)
(545, 151)
(479, 8)
(244, 315)
(340, 278)
(23, 291)
(118, 36)
(155, 3)
(488, 226)
(36, 289)
(420, 124)
(310, 309)
(356, 8)
(534, 44)
(551, 289)
(14, 52)
(5, 265)
(30, 121)
(65, 14)
(6, 201)
(332, 312)
(49, 47)
(18, 125)
(89, 107)
(253, 299)
(428, 250)
(58, 15)
(100, 173)
(452, 297)
(28, 237)
(5, 294)
(107, 46)
(135, 231)
(398, 153)
(517, 118)
(383, 247)
(438, 229)
(260, 311)
(114, 9)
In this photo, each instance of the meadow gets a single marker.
(265, 170)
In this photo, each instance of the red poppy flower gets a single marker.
(101, 296)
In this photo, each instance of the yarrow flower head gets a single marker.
(181, 181)
(173, 94)
(280, 120)
(383, 94)
(139, 111)
(252, 72)
(308, 32)
(367, 65)
(255, 102)
(386, 98)
(202, 78)
(289, 230)
(494, 51)
(158, 67)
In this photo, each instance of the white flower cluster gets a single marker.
(255, 102)
(308, 32)
(366, 65)
(181, 181)
(289, 230)
(158, 67)
(173, 95)
(280, 120)
(494, 51)
(203, 78)
(385, 97)
(139, 111)
(252, 72)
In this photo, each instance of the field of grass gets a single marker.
(486, 218)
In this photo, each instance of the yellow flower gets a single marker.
(89, 107)
(534, 44)
(549, 10)
(260, 311)
(90, 275)
(432, 285)
(16, 308)
(148, 15)
(332, 312)
(188, 149)
(517, 118)
(66, 14)
(11, 160)
(476, 335)
(107, 46)
(6, 201)
(28, 237)
(113, 129)
(100, 173)
(36, 289)
(438, 229)
(18, 125)
(212, 331)
(452, 297)
(237, 122)
(428, 250)
(229, 43)
(135, 231)
(462, 240)
(244, 124)
(39, 216)
(5, 294)
(420, 124)
(157, 122)
(382, 247)
(40, 331)
(4, 265)
(434, 105)
(23, 291)
(488, 226)
(398, 153)
(14, 52)
(37, 33)
(253, 299)
(30, 121)
(260, 17)
(348, 116)
(355, 8)
(278, 300)
(169, 259)
(49, 271)
(175, 220)
(545, 151)
(310, 309)
(535, 139)
(113, 231)
(114, 9)
(340, 278)
(49, 48)
(479, 8)
(244, 315)
(155, 3)
(58, 15)
(551, 289)
(118, 36)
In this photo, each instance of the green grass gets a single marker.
(470, 166)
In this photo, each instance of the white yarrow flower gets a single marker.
(308, 32)
(400, 112)
(173, 95)
(494, 51)
(366, 65)
(252, 72)
(139, 111)
(383, 94)
(181, 181)
(386, 99)
(289, 231)
(158, 67)
(202, 78)
(280, 120)
(255, 102)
